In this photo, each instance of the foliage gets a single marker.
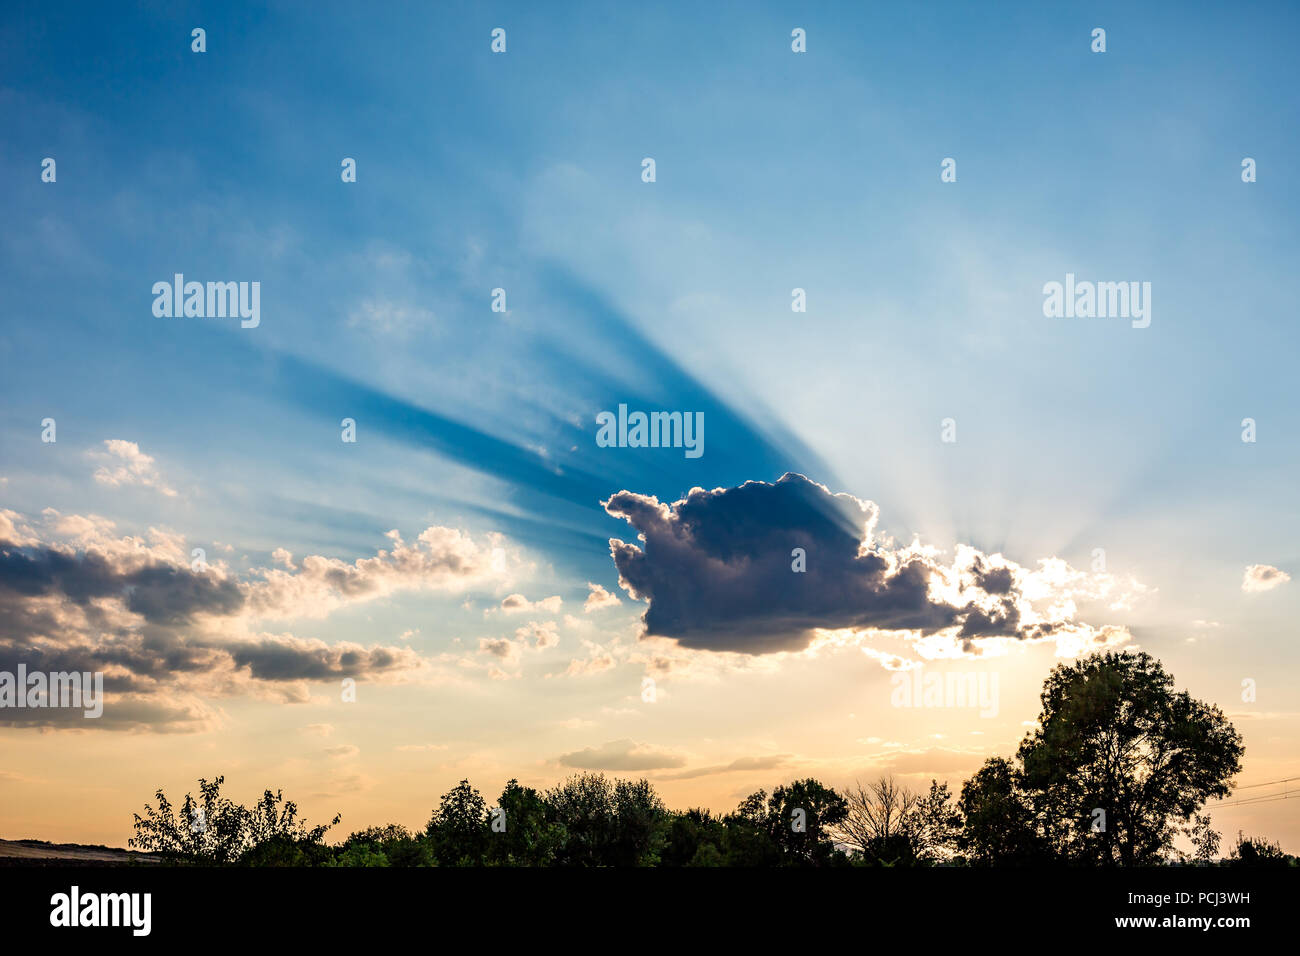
(1118, 765)
(215, 830)
(1113, 736)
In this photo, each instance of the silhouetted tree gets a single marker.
(749, 838)
(1205, 840)
(607, 823)
(998, 824)
(529, 838)
(791, 827)
(1118, 765)
(640, 821)
(390, 845)
(933, 825)
(824, 810)
(1114, 736)
(1254, 851)
(584, 805)
(874, 820)
(458, 830)
(694, 838)
(216, 830)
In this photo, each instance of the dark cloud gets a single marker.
(716, 570)
(291, 659)
(993, 580)
(156, 631)
(122, 712)
(160, 593)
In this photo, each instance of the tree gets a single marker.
(998, 824)
(274, 818)
(390, 845)
(608, 823)
(640, 818)
(216, 830)
(211, 829)
(933, 825)
(1118, 765)
(1254, 851)
(693, 838)
(800, 819)
(529, 838)
(1114, 736)
(584, 804)
(458, 829)
(875, 821)
(890, 825)
(749, 838)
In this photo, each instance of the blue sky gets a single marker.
(774, 171)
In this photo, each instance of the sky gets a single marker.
(978, 488)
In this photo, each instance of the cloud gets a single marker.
(621, 755)
(388, 318)
(717, 571)
(1263, 577)
(598, 659)
(535, 635)
(599, 598)
(741, 763)
(77, 596)
(500, 647)
(937, 760)
(283, 657)
(440, 559)
(542, 634)
(125, 464)
(131, 712)
(518, 604)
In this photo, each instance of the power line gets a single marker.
(1252, 786)
(1268, 798)
(1262, 798)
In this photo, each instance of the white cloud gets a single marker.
(599, 598)
(441, 559)
(1263, 577)
(518, 604)
(125, 464)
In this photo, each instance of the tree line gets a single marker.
(1117, 770)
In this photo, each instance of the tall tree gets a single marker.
(584, 804)
(525, 837)
(458, 829)
(801, 818)
(1115, 737)
(640, 824)
(1118, 765)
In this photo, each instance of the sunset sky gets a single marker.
(456, 559)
